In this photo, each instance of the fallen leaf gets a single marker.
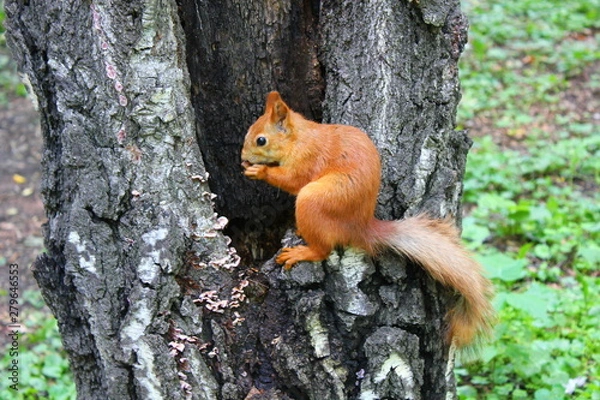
(19, 179)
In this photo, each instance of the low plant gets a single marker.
(43, 367)
(10, 84)
(531, 191)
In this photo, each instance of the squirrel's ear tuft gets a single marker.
(277, 108)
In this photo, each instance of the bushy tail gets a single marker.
(435, 245)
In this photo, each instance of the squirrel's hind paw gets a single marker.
(292, 255)
(288, 257)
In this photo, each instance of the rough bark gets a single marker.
(124, 190)
(151, 300)
(395, 75)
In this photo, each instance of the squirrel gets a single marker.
(334, 172)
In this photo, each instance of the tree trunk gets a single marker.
(139, 99)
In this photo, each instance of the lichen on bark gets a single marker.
(139, 99)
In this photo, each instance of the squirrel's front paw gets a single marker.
(256, 171)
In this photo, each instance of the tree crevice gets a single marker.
(139, 100)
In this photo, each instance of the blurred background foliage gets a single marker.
(531, 100)
(10, 85)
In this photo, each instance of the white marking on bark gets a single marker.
(318, 336)
(146, 373)
(139, 317)
(149, 267)
(395, 363)
(87, 261)
(154, 236)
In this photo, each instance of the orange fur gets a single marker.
(334, 170)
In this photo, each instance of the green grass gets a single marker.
(43, 366)
(10, 85)
(524, 52)
(534, 205)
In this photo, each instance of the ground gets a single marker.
(22, 211)
(579, 103)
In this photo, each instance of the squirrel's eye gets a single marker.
(261, 141)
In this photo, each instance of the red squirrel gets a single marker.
(334, 172)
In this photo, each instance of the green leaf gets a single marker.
(54, 366)
(489, 353)
(494, 201)
(479, 47)
(543, 394)
(542, 251)
(467, 392)
(503, 267)
(537, 300)
(591, 254)
(541, 213)
(473, 233)
(519, 394)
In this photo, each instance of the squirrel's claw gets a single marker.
(286, 258)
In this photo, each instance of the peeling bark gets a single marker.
(139, 99)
